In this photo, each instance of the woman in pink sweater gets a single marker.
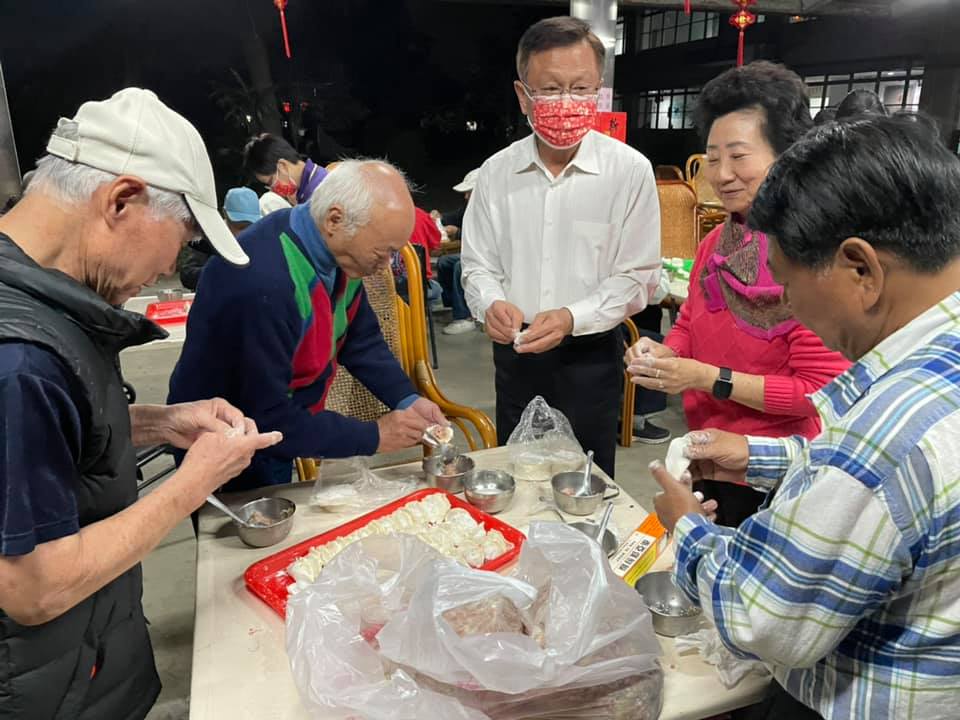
(741, 361)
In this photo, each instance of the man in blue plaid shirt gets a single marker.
(847, 585)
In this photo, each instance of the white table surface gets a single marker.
(178, 331)
(240, 666)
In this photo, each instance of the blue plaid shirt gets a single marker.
(848, 585)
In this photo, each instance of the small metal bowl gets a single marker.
(590, 530)
(565, 484)
(673, 614)
(490, 490)
(169, 294)
(278, 510)
(439, 477)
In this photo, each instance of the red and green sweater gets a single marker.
(269, 338)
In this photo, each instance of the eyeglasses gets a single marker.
(580, 91)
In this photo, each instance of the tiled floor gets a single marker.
(466, 376)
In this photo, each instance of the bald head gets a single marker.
(365, 213)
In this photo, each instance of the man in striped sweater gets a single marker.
(270, 337)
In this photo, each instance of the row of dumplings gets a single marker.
(450, 531)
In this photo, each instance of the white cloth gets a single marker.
(587, 240)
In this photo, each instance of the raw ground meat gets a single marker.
(484, 617)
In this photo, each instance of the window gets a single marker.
(899, 89)
(658, 28)
(618, 45)
(666, 109)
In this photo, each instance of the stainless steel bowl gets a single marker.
(567, 484)
(609, 544)
(673, 614)
(169, 294)
(490, 490)
(440, 477)
(279, 511)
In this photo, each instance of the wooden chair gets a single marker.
(404, 328)
(629, 404)
(710, 212)
(678, 219)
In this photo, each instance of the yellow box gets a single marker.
(638, 552)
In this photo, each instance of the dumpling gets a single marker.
(472, 555)
(459, 517)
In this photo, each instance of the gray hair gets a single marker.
(74, 184)
(348, 187)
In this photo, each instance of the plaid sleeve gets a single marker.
(771, 457)
(793, 580)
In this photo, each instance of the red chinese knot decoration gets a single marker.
(741, 20)
(281, 5)
(686, 6)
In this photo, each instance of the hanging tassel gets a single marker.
(281, 6)
(686, 6)
(740, 50)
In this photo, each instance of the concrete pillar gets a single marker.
(602, 16)
(940, 97)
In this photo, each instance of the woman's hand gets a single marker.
(672, 375)
(645, 346)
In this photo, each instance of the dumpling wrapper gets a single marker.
(677, 462)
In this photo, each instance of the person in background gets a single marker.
(241, 209)
(860, 103)
(561, 240)
(271, 202)
(449, 267)
(124, 185)
(741, 360)
(275, 163)
(848, 585)
(269, 338)
(426, 234)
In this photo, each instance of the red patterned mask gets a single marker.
(562, 122)
(284, 188)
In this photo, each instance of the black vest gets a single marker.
(95, 661)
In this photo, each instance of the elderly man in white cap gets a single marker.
(449, 272)
(125, 184)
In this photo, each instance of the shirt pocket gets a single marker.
(591, 247)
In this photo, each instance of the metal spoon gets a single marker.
(587, 471)
(607, 512)
(224, 509)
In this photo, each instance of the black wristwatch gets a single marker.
(724, 384)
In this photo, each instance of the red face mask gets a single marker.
(284, 188)
(562, 122)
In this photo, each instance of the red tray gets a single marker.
(268, 579)
(169, 312)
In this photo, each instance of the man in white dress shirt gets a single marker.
(561, 241)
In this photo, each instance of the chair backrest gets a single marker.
(696, 165)
(347, 395)
(668, 172)
(678, 219)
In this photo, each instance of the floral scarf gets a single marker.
(736, 276)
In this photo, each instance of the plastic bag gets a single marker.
(543, 444)
(349, 484)
(730, 668)
(391, 630)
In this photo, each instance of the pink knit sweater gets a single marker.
(793, 365)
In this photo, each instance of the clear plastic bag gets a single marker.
(391, 630)
(543, 444)
(349, 484)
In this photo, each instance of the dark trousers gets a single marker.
(449, 275)
(777, 705)
(735, 503)
(581, 378)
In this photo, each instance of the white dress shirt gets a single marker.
(587, 240)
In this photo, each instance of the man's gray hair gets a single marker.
(348, 187)
(74, 184)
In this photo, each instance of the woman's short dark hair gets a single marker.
(779, 92)
(261, 154)
(556, 32)
(860, 102)
(888, 180)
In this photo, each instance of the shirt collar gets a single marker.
(585, 160)
(314, 244)
(837, 397)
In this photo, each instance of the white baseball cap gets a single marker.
(133, 133)
(469, 182)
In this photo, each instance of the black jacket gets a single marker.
(95, 661)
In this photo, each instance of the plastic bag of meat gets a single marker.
(391, 630)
